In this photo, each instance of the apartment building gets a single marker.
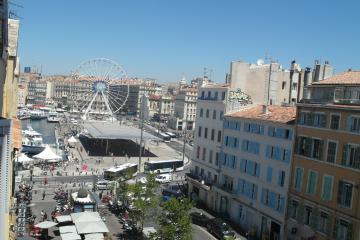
(22, 94)
(255, 168)
(324, 193)
(184, 109)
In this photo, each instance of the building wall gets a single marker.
(324, 167)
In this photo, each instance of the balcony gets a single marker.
(199, 181)
(228, 188)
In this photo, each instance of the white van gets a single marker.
(163, 178)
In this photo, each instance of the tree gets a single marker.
(143, 199)
(175, 223)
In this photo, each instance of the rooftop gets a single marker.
(278, 114)
(348, 78)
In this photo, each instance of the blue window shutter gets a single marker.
(270, 131)
(281, 204)
(268, 151)
(242, 165)
(349, 123)
(272, 199)
(279, 178)
(269, 174)
(277, 154)
(246, 126)
(243, 145)
(255, 192)
(262, 130)
(257, 148)
(287, 156)
(250, 168)
(258, 170)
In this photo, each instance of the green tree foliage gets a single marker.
(175, 222)
(143, 199)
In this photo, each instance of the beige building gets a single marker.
(22, 94)
(324, 198)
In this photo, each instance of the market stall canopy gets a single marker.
(47, 154)
(70, 236)
(91, 227)
(45, 224)
(23, 159)
(94, 236)
(68, 229)
(72, 140)
(64, 218)
(85, 217)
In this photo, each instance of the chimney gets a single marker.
(265, 109)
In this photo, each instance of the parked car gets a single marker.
(219, 228)
(163, 178)
(199, 219)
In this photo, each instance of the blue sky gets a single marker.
(165, 39)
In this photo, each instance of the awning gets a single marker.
(72, 140)
(46, 224)
(85, 217)
(70, 236)
(68, 229)
(63, 218)
(91, 227)
(94, 236)
(47, 154)
(22, 158)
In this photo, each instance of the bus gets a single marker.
(124, 172)
(164, 137)
(172, 135)
(163, 166)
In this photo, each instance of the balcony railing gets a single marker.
(201, 180)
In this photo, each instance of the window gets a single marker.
(345, 194)
(294, 209)
(219, 136)
(281, 178)
(269, 174)
(210, 156)
(294, 86)
(335, 121)
(204, 154)
(353, 124)
(312, 119)
(327, 187)
(250, 146)
(216, 95)
(343, 229)
(323, 222)
(198, 152)
(199, 132)
(207, 113)
(283, 85)
(308, 215)
(221, 115)
(214, 114)
(331, 152)
(212, 134)
(351, 156)
(205, 132)
(209, 94)
(310, 147)
(223, 96)
(312, 181)
(202, 94)
(298, 178)
(201, 112)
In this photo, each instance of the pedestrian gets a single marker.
(45, 217)
(43, 195)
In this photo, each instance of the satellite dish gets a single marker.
(260, 62)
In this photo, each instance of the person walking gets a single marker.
(43, 195)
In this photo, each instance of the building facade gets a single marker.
(324, 192)
(184, 109)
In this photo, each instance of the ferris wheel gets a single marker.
(98, 87)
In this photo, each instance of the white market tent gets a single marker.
(47, 154)
(45, 224)
(85, 217)
(70, 236)
(91, 227)
(72, 141)
(68, 229)
(23, 159)
(63, 218)
(94, 236)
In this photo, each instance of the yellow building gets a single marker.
(324, 198)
